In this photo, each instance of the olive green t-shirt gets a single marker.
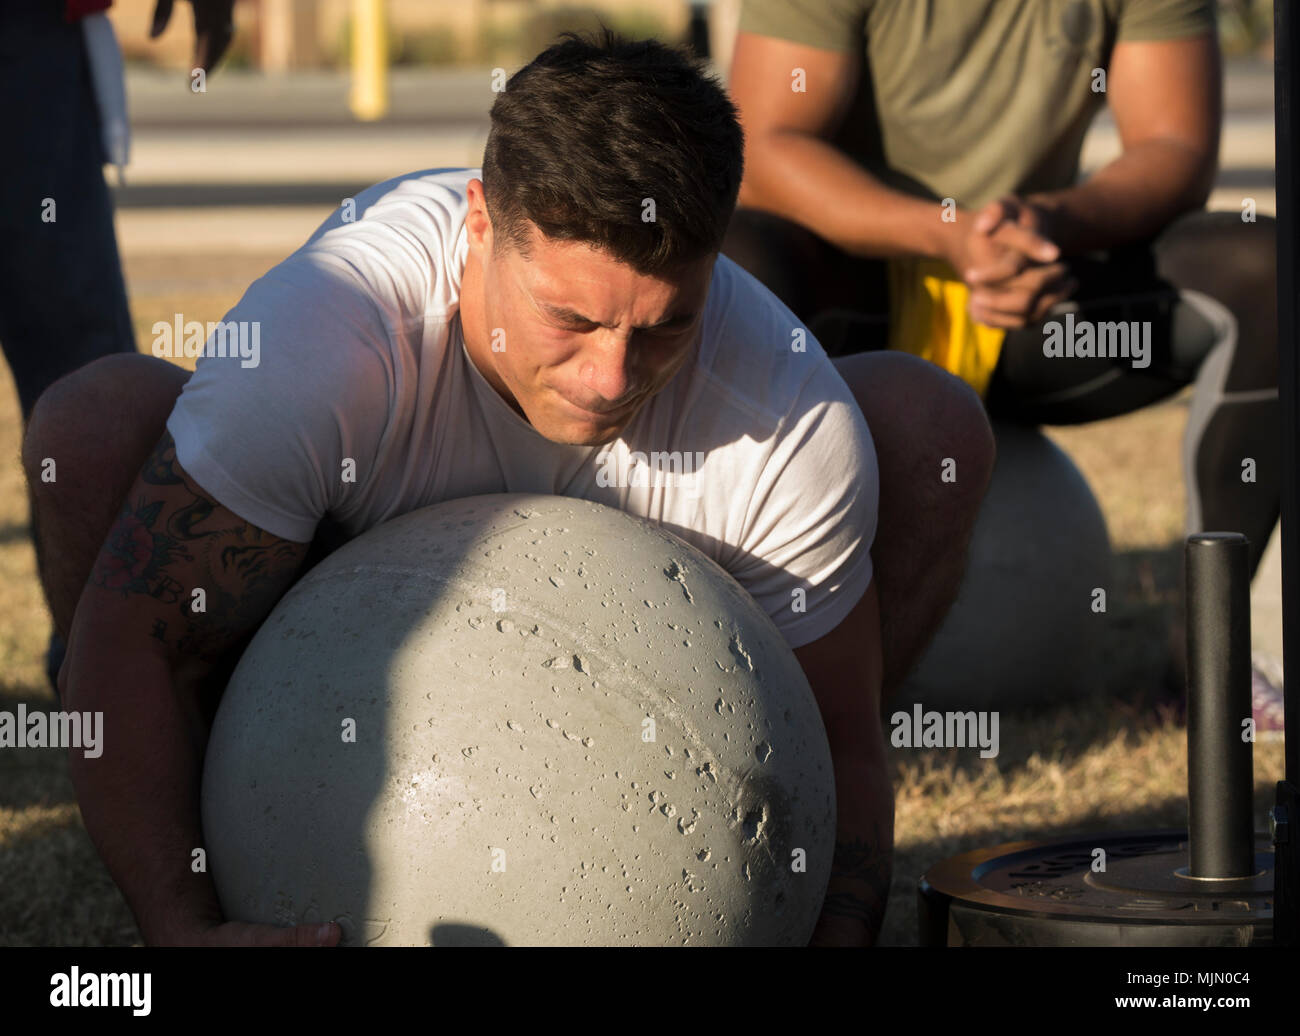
(972, 99)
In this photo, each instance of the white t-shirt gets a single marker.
(360, 358)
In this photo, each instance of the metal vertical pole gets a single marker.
(1220, 775)
(1286, 43)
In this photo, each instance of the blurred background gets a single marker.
(225, 183)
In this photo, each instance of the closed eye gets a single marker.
(662, 331)
(567, 321)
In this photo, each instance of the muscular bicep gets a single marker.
(782, 87)
(183, 571)
(1167, 90)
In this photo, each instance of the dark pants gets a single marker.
(844, 301)
(62, 298)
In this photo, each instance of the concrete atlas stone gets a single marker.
(1023, 629)
(521, 720)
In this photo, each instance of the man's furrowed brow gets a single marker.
(570, 317)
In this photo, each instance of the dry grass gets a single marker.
(53, 889)
(1113, 763)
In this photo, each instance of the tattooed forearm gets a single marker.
(184, 518)
(253, 562)
(171, 541)
(184, 521)
(159, 469)
(225, 620)
(134, 556)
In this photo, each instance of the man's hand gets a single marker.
(214, 25)
(1007, 257)
(845, 670)
(237, 933)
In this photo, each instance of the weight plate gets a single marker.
(1046, 893)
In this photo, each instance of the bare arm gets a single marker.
(139, 653)
(845, 670)
(792, 170)
(1167, 100)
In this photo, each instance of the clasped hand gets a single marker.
(1006, 255)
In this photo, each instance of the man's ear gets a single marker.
(478, 224)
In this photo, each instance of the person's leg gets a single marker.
(784, 256)
(1235, 414)
(1207, 287)
(92, 430)
(919, 416)
(62, 297)
(842, 299)
(1208, 284)
(1033, 388)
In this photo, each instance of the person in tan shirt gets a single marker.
(891, 145)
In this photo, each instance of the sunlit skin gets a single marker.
(588, 341)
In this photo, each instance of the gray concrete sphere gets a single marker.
(499, 657)
(1022, 630)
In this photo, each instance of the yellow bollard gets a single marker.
(369, 99)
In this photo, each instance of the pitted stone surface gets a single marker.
(504, 660)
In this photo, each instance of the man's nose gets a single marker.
(606, 368)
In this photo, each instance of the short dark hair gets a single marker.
(590, 128)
